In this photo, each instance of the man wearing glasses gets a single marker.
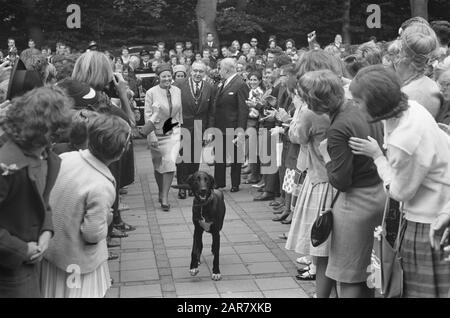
(197, 97)
(254, 44)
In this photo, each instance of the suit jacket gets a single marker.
(204, 110)
(231, 107)
(215, 44)
(24, 212)
(143, 69)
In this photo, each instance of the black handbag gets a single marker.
(323, 225)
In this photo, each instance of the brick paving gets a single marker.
(154, 260)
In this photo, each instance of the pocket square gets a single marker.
(231, 93)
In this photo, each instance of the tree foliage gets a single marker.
(113, 23)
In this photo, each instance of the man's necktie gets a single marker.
(197, 90)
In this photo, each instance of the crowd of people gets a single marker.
(356, 127)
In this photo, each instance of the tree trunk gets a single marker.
(419, 8)
(346, 34)
(241, 5)
(32, 23)
(206, 18)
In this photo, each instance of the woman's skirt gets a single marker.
(356, 214)
(425, 274)
(165, 156)
(305, 214)
(57, 283)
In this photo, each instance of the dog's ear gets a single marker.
(212, 182)
(191, 179)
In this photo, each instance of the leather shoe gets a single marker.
(182, 194)
(287, 222)
(234, 189)
(264, 197)
(219, 187)
(282, 217)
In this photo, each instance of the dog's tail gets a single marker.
(182, 187)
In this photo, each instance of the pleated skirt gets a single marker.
(305, 214)
(57, 283)
(425, 274)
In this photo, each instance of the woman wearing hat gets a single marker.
(179, 73)
(164, 147)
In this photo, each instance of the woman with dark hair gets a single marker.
(360, 200)
(28, 173)
(255, 104)
(416, 171)
(309, 130)
(164, 147)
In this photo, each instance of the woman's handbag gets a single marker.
(386, 268)
(323, 225)
(298, 181)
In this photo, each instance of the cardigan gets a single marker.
(346, 170)
(309, 130)
(417, 167)
(25, 212)
(81, 199)
(426, 92)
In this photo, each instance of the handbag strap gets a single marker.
(324, 203)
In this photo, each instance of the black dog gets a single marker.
(208, 214)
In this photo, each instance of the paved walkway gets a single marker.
(154, 260)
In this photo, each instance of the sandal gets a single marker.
(118, 233)
(276, 204)
(306, 276)
(124, 227)
(302, 270)
(303, 260)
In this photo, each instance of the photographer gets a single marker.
(94, 68)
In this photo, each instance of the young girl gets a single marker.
(82, 198)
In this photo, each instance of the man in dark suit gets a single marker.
(210, 41)
(145, 64)
(231, 112)
(197, 97)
